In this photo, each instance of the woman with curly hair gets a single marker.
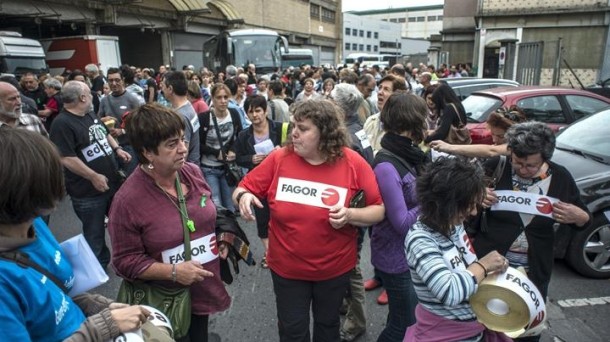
(313, 189)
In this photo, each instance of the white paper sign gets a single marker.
(88, 273)
(264, 147)
(524, 202)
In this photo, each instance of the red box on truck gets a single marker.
(75, 52)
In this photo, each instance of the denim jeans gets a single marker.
(221, 191)
(294, 300)
(91, 211)
(401, 302)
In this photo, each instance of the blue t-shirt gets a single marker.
(33, 308)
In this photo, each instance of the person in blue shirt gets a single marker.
(35, 307)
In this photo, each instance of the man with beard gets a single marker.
(33, 89)
(10, 111)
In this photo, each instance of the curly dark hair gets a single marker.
(327, 116)
(447, 189)
(528, 138)
(504, 117)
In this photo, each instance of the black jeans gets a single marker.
(198, 331)
(295, 298)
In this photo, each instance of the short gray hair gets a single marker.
(72, 91)
(529, 138)
(231, 70)
(52, 83)
(348, 97)
(92, 68)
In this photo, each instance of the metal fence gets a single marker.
(529, 64)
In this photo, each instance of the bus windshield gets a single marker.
(262, 51)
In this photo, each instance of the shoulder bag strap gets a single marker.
(272, 105)
(457, 112)
(187, 224)
(499, 170)
(402, 162)
(224, 155)
(23, 260)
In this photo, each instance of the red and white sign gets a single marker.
(310, 193)
(524, 202)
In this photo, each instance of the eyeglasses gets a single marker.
(114, 80)
(530, 167)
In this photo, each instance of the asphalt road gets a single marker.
(578, 308)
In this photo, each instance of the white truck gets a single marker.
(20, 55)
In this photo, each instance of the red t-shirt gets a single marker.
(302, 243)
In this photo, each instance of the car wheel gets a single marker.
(589, 251)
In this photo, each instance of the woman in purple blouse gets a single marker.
(396, 165)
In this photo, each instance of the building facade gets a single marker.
(416, 22)
(362, 35)
(532, 42)
(156, 32)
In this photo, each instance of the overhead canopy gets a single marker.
(190, 6)
(227, 10)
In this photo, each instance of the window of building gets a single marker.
(402, 20)
(375, 48)
(439, 17)
(355, 47)
(432, 18)
(368, 34)
(376, 35)
(368, 47)
(348, 31)
(314, 11)
(361, 33)
(328, 15)
(393, 20)
(412, 19)
(361, 47)
(347, 46)
(421, 19)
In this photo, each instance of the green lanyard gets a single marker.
(187, 224)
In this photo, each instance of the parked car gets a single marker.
(464, 86)
(584, 149)
(601, 88)
(555, 106)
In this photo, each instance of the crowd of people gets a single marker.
(316, 156)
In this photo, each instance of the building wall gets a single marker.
(503, 5)
(416, 22)
(388, 39)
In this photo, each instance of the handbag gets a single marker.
(175, 303)
(233, 172)
(458, 135)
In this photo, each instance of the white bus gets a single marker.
(369, 60)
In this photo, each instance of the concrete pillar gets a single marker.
(167, 52)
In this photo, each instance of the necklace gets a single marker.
(184, 213)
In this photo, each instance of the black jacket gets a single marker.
(503, 227)
(244, 147)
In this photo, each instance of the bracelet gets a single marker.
(174, 273)
(483, 267)
(116, 148)
(240, 195)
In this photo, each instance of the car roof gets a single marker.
(453, 82)
(510, 92)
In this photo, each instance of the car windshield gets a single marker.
(479, 107)
(588, 137)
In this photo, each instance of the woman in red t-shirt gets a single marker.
(314, 189)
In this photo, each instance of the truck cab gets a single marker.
(20, 55)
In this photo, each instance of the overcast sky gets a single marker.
(360, 5)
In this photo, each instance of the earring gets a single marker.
(150, 166)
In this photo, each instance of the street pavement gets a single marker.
(578, 308)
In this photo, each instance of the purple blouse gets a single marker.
(401, 211)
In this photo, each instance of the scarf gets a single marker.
(404, 148)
